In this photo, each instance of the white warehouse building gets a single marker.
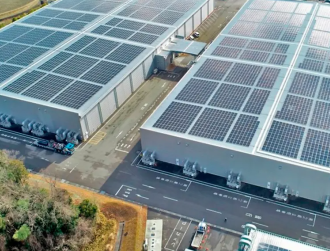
(67, 67)
(255, 107)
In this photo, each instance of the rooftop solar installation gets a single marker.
(262, 86)
(73, 46)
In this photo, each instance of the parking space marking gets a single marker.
(177, 235)
(309, 238)
(310, 217)
(236, 198)
(259, 224)
(128, 188)
(213, 211)
(169, 198)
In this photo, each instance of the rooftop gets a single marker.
(85, 47)
(262, 87)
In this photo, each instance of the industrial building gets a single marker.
(254, 108)
(67, 67)
(254, 239)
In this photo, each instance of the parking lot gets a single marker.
(178, 233)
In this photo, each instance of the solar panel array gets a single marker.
(95, 62)
(158, 11)
(320, 31)
(135, 31)
(253, 50)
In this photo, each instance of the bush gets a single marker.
(22, 234)
(87, 209)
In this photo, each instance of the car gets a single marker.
(191, 37)
(196, 34)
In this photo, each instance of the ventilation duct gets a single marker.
(72, 137)
(39, 129)
(61, 134)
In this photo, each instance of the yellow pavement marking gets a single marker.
(97, 138)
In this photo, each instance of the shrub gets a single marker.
(87, 209)
(22, 234)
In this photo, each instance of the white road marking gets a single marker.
(247, 204)
(327, 228)
(125, 172)
(172, 233)
(187, 186)
(163, 85)
(309, 238)
(213, 211)
(72, 169)
(310, 231)
(119, 134)
(313, 221)
(119, 190)
(129, 189)
(119, 150)
(138, 195)
(183, 236)
(169, 198)
(148, 186)
(259, 224)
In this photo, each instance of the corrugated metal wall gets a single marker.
(123, 91)
(93, 120)
(137, 77)
(197, 19)
(204, 11)
(211, 6)
(108, 106)
(181, 31)
(189, 27)
(148, 66)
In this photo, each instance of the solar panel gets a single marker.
(76, 66)
(154, 29)
(70, 15)
(87, 17)
(278, 17)
(243, 74)
(130, 25)
(103, 72)
(125, 53)
(65, 4)
(255, 56)
(57, 23)
(35, 20)
(268, 77)
(322, 24)
(7, 71)
(318, 38)
(284, 6)
(324, 93)
(304, 84)
(197, 91)
(13, 32)
(47, 87)
(76, 95)
(290, 34)
(311, 65)
(177, 117)
(114, 21)
(278, 59)
(75, 26)
(243, 29)
(146, 13)
(226, 52)
(244, 130)
(213, 69)
(316, 148)
(101, 29)
(304, 8)
(182, 6)
(282, 48)
(284, 139)
(234, 42)
(168, 17)
(54, 39)
(49, 13)
(295, 109)
(119, 33)
(161, 4)
(87, 5)
(316, 54)
(80, 44)
(256, 101)
(28, 56)
(261, 5)
(55, 61)
(255, 15)
(143, 38)
(106, 7)
(99, 48)
(128, 10)
(2, 44)
(261, 45)
(269, 31)
(297, 20)
(213, 124)
(230, 97)
(10, 50)
(321, 118)
(327, 69)
(267, 247)
(34, 36)
(24, 82)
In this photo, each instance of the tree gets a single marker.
(22, 234)
(87, 209)
(2, 224)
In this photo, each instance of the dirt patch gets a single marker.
(8, 5)
(134, 216)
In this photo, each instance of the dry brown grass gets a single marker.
(134, 216)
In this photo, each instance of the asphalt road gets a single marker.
(197, 200)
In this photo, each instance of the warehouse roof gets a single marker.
(185, 46)
(72, 53)
(262, 87)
